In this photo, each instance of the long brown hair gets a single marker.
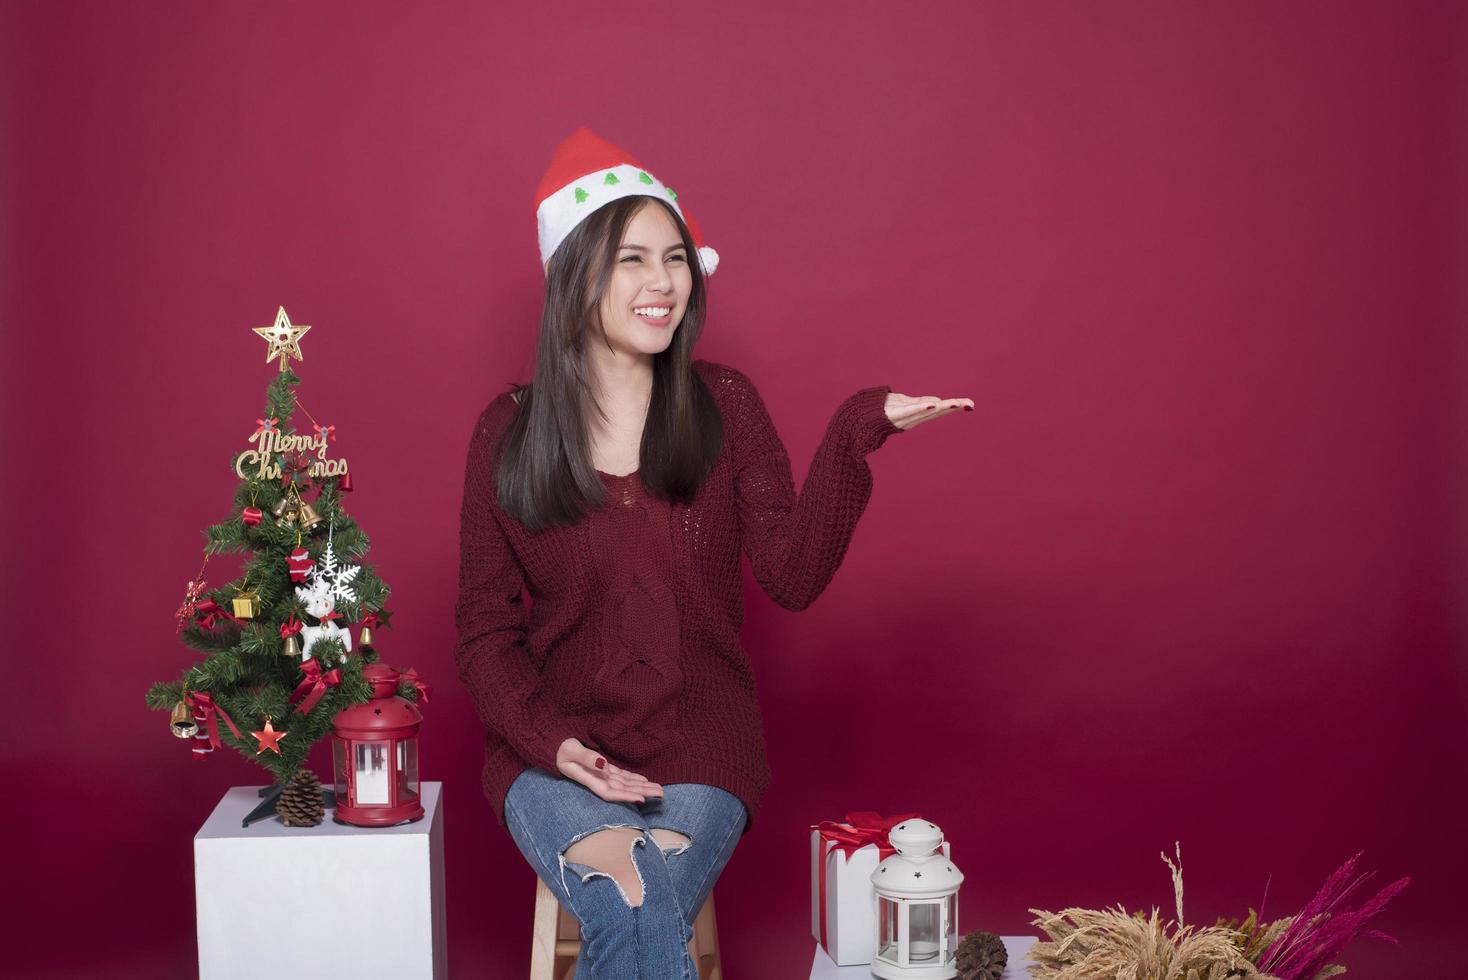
(546, 477)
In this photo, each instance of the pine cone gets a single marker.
(300, 803)
(981, 956)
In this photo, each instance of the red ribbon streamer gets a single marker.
(860, 829)
(411, 676)
(205, 702)
(314, 685)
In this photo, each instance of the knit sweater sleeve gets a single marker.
(794, 542)
(492, 655)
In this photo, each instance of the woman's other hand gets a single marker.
(594, 771)
(905, 411)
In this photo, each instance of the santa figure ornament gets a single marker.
(300, 564)
(586, 172)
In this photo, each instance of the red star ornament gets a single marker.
(269, 739)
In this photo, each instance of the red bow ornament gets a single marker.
(376, 618)
(315, 685)
(211, 611)
(411, 676)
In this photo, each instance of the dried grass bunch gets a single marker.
(1113, 945)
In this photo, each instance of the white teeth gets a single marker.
(652, 311)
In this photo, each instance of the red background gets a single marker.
(1194, 570)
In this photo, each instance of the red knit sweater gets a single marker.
(631, 643)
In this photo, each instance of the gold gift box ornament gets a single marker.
(246, 604)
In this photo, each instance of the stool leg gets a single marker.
(706, 940)
(543, 944)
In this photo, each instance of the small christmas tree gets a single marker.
(277, 663)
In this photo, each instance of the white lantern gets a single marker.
(916, 893)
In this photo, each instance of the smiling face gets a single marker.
(650, 285)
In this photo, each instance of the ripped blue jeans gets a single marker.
(546, 814)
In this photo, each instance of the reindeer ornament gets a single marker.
(329, 580)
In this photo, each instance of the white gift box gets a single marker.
(851, 917)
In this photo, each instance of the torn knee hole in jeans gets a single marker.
(586, 872)
(671, 842)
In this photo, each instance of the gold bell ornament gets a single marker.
(181, 722)
(289, 508)
(292, 647)
(308, 518)
(285, 510)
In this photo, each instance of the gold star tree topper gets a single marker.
(284, 337)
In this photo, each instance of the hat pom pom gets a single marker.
(709, 259)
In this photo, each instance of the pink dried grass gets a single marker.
(1325, 926)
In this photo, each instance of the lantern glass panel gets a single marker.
(407, 771)
(887, 929)
(924, 932)
(371, 773)
(339, 766)
(950, 943)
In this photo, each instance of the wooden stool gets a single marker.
(557, 940)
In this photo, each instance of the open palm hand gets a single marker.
(906, 411)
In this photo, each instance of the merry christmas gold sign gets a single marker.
(271, 441)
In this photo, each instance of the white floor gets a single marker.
(824, 969)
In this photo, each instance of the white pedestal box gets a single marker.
(825, 968)
(329, 900)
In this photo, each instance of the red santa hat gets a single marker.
(586, 172)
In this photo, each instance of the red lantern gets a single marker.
(375, 755)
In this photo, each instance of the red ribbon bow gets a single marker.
(266, 425)
(411, 676)
(205, 703)
(210, 611)
(374, 619)
(290, 627)
(860, 829)
(328, 431)
(314, 685)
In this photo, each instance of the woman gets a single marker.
(624, 740)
